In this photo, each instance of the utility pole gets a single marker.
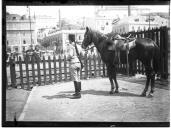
(30, 26)
(83, 22)
(127, 52)
(149, 19)
(59, 19)
(129, 10)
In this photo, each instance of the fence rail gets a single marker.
(161, 37)
(45, 71)
(30, 72)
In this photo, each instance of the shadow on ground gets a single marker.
(161, 84)
(68, 94)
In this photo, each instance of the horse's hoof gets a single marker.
(111, 92)
(143, 95)
(116, 91)
(150, 95)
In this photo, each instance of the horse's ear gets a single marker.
(87, 29)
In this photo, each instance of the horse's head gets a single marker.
(87, 38)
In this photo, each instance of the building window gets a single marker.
(14, 18)
(24, 48)
(16, 49)
(102, 27)
(136, 20)
(32, 41)
(24, 42)
(79, 37)
(22, 18)
(123, 29)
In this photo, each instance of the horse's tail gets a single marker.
(157, 60)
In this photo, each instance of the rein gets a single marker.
(89, 48)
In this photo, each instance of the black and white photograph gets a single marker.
(86, 65)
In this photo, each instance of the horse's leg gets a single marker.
(131, 72)
(116, 83)
(146, 86)
(112, 85)
(152, 77)
(152, 84)
(148, 75)
(109, 71)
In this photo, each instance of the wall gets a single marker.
(18, 31)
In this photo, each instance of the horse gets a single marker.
(101, 42)
(143, 49)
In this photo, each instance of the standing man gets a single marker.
(75, 65)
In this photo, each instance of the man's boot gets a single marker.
(79, 86)
(77, 94)
(76, 87)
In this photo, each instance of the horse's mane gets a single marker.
(96, 32)
(111, 34)
(105, 39)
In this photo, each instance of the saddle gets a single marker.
(123, 45)
(127, 44)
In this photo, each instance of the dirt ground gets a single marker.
(53, 103)
(15, 101)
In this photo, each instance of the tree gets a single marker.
(45, 44)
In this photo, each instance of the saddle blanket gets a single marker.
(126, 46)
(129, 45)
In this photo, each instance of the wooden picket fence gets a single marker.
(31, 72)
(161, 37)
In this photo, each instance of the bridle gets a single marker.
(89, 48)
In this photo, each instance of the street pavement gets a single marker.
(53, 103)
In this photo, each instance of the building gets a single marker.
(20, 32)
(137, 23)
(44, 21)
(106, 16)
(59, 39)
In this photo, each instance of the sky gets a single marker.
(72, 11)
(66, 11)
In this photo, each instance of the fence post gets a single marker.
(33, 70)
(21, 72)
(50, 73)
(44, 69)
(12, 72)
(60, 70)
(86, 67)
(55, 75)
(90, 72)
(161, 51)
(39, 73)
(94, 58)
(65, 68)
(99, 63)
(6, 78)
(81, 75)
(27, 73)
(165, 47)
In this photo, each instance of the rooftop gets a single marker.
(16, 17)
